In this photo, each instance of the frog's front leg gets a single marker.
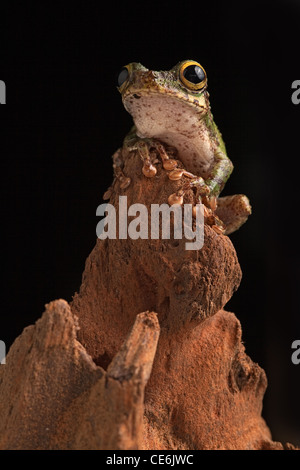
(219, 174)
(144, 146)
(208, 189)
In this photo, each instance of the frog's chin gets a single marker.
(156, 113)
(176, 123)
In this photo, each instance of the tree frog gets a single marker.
(172, 117)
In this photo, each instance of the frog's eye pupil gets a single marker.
(194, 74)
(123, 75)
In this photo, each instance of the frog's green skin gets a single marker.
(164, 110)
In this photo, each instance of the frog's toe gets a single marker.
(170, 164)
(233, 211)
(149, 170)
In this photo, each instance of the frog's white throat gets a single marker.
(176, 123)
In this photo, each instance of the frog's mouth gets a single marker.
(198, 103)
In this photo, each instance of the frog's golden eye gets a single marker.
(192, 75)
(123, 76)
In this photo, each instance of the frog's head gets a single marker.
(165, 95)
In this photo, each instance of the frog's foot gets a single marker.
(195, 182)
(233, 211)
(149, 149)
(202, 196)
(210, 217)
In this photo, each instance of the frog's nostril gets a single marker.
(136, 96)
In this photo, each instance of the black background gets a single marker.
(64, 119)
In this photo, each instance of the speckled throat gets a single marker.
(177, 123)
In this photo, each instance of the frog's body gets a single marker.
(175, 122)
(171, 109)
